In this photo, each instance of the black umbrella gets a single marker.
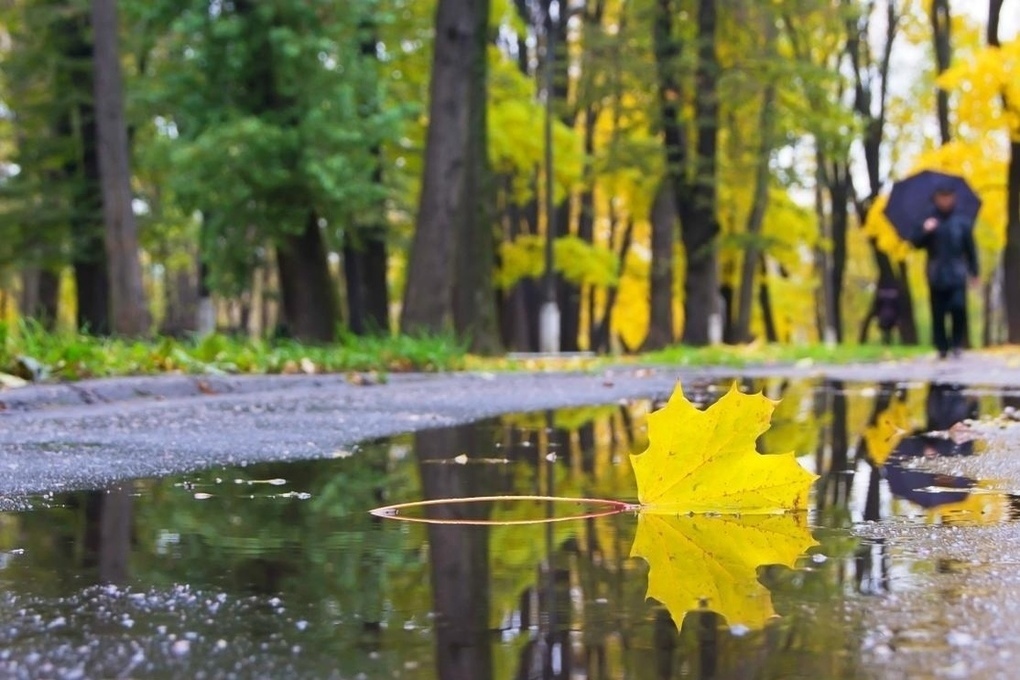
(910, 202)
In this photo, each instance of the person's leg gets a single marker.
(958, 311)
(939, 308)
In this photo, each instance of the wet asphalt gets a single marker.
(88, 434)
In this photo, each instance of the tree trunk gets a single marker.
(127, 295)
(759, 205)
(592, 29)
(365, 251)
(181, 304)
(941, 25)
(88, 252)
(428, 294)
(518, 305)
(1011, 253)
(699, 222)
(839, 205)
(663, 219)
(40, 295)
(365, 265)
(765, 300)
(474, 297)
(667, 52)
(310, 304)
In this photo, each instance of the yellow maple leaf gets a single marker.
(699, 562)
(705, 461)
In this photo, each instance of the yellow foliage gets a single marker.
(631, 312)
(517, 133)
(705, 461)
(794, 425)
(578, 261)
(879, 228)
(890, 426)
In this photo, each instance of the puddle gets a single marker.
(278, 570)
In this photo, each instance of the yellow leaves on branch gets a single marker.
(706, 462)
(983, 80)
(579, 262)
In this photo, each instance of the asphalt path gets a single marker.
(91, 433)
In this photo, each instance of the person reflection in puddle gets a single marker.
(946, 406)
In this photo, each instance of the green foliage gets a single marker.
(73, 356)
(277, 106)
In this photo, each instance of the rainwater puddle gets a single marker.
(279, 570)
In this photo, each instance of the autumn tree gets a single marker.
(692, 177)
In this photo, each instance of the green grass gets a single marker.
(745, 355)
(74, 356)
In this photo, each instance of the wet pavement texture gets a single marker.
(86, 434)
(232, 566)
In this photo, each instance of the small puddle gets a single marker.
(278, 570)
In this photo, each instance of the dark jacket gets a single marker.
(951, 252)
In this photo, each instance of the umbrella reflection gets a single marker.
(946, 407)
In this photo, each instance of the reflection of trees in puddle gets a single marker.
(544, 601)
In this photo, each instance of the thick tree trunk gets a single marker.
(663, 220)
(428, 295)
(474, 297)
(1011, 256)
(700, 226)
(310, 305)
(88, 252)
(667, 52)
(130, 314)
(1011, 253)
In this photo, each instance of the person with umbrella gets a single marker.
(936, 211)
